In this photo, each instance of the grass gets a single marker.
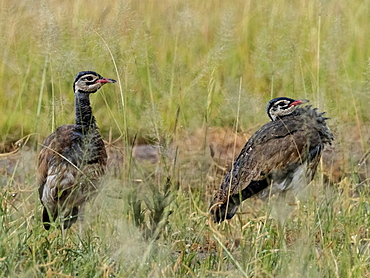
(189, 73)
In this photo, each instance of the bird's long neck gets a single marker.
(84, 116)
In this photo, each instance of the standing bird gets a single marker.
(73, 158)
(282, 155)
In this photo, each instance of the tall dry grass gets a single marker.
(185, 66)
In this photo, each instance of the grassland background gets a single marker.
(183, 68)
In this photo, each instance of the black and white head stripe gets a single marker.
(282, 106)
(89, 82)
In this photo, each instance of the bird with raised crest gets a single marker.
(72, 159)
(281, 156)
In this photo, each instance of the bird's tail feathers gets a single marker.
(46, 218)
(70, 217)
(224, 211)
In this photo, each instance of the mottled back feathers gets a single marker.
(271, 157)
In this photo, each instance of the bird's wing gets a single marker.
(51, 153)
(275, 146)
(56, 174)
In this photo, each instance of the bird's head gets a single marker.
(282, 106)
(89, 82)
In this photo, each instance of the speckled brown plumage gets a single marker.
(72, 159)
(282, 155)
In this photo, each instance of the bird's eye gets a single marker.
(282, 104)
(89, 78)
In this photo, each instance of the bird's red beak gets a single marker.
(105, 80)
(299, 102)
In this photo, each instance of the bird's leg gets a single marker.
(282, 206)
(282, 235)
(64, 234)
(80, 220)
